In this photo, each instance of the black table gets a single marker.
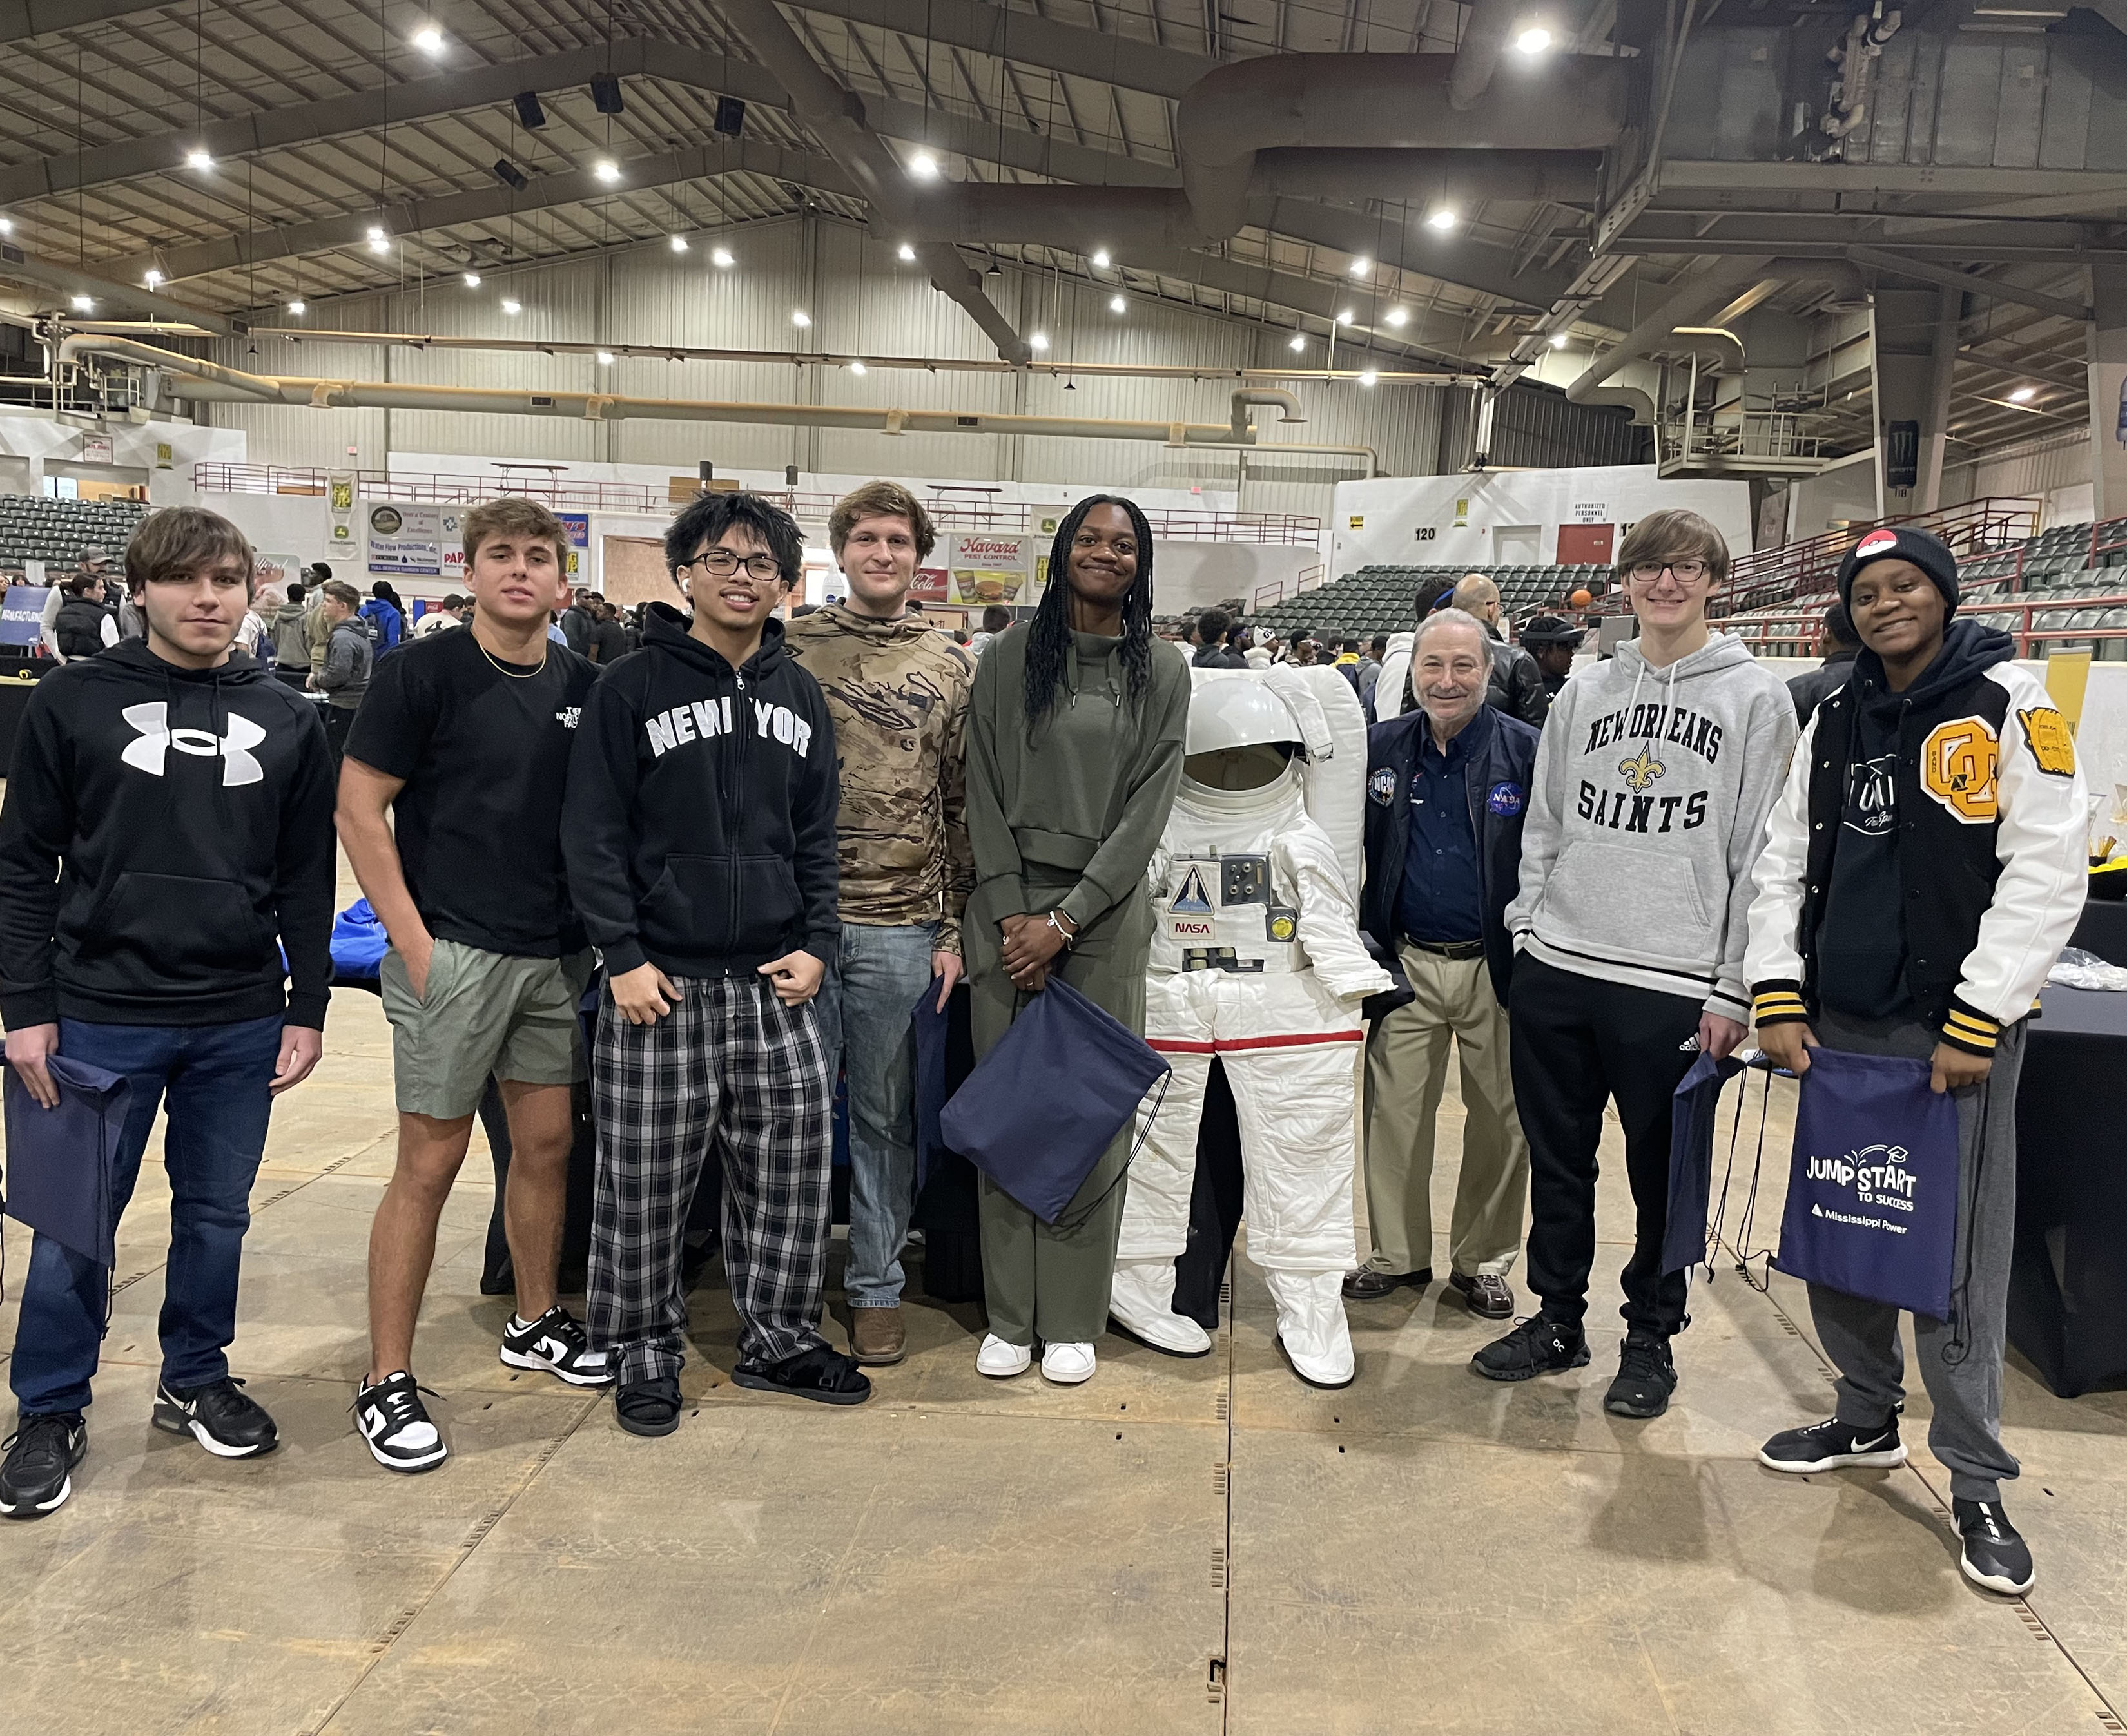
(2067, 1280)
(2103, 929)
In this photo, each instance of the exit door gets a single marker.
(1585, 544)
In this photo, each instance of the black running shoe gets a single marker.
(390, 1416)
(217, 1416)
(820, 1374)
(1646, 1378)
(647, 1406)
(1995, 1553)
(1536, 1346)
(1833, 1445)
(38, 1474)
(555, 1342)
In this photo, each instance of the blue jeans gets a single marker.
(216, 1078)
(866, 1003)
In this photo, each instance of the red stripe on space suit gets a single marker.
(1174, 1046)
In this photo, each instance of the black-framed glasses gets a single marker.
(1684, 572)
(720, 563)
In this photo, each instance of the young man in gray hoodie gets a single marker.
(1652, 786)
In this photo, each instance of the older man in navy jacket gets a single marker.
(1446, 787)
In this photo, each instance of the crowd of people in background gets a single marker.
(777, 830)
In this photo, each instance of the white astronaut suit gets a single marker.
(1256, 960)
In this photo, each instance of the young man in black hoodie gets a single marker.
(168, 834)
(1924, 867)
(700, 840)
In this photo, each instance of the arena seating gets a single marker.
(33, 527)
(1386, 600)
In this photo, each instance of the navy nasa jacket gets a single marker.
(1498, 776)
(699, 830)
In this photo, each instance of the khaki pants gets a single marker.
(1406, 1069)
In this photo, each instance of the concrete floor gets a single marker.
(1186, 1546)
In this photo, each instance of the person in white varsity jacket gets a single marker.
(1652, 782)
(1923, 867)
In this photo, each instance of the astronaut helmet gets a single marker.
(1242, 736)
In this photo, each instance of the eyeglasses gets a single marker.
(720, 563)
(1684, 572)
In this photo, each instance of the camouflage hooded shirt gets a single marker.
(898, 692)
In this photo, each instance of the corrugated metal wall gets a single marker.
(861, 298)
(2032, 467)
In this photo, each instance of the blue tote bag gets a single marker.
(59, 1159)
(1041, 1107)
(1691, 1160)
(1873, 1184)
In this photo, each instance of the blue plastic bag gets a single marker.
(1873, 1185)
(1041, 1107)
(358, 942)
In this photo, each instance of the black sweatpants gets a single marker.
(1579, 1042)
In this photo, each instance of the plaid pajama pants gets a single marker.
(730, 1070)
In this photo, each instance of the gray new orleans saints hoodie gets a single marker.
(1652, 788)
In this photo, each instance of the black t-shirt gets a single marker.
(483, 747)
(1861, 938)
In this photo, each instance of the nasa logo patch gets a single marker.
(1876, 542)
(1504, 798)
(1381, 786)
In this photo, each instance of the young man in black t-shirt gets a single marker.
(465, 738)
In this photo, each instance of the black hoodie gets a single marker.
(699, 825)
(1861, 938)
(168, 833)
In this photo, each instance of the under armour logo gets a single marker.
(238, 763)
(1643, 770)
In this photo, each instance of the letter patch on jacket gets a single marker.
(2046, 734)
(1958, 764)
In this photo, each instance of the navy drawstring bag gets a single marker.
(1041, 1107)
(1691, 1160)
(1871, 1187)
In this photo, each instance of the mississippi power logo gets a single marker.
(1879, 1180)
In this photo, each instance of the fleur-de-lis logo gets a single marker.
(1642, 770)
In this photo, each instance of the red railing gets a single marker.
(1973, 530)
(643, 500)
(1268, 596)
(1795, 634)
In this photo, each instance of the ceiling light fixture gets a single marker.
(1344, 317)
(429, 41)
(923, 166)
(298, 309)
(906, 253)
(607, 170)
(1099, 258)
(1442, 220)
(513, 308)
(1116, 305)
(2023, 395)
(6, 227)
(605, 358)
(379, 242)
(1299, 342)
(1359, 267)
(859, 369)
(153, 280)
(721, 259)
(1558, 340)
(800, 319)
(678, 244)
(1397, 316)
(200, 158)
(84, 305)
(1370, 378)
(1533, 40)
(1039, 341)
(472, 280)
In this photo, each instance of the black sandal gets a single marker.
(648, 1407)
(819, 1373)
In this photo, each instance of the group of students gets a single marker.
(776, 840)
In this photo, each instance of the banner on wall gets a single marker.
(407, 541)
(97, 449)
(22, 614)
(987, 569)
(578, 525)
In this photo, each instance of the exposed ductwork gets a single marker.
(1374, 101)
(1454, 178)
(834, 116)
(207, 382)
(1688, 302)
(1477, 57)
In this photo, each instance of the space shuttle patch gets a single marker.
(1190, 919)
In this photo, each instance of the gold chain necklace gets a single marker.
(515, 674)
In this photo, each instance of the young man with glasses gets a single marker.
(463, 740)
(700, 841)
(1655, 773)
(899, 694)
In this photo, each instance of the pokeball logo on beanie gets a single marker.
(1876, 542)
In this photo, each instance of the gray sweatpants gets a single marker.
(1960, 1359)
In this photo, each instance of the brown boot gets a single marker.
(877, 1336)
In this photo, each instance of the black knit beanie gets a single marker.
(1901, 542)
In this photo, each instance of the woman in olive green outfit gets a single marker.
(1074, 752)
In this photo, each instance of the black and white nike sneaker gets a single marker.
(555, 1342)
(1833, 1445)
(1995, 1553)
(392, 1418)
(217, 1416)
(37, 1475)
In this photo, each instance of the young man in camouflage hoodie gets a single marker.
(898, 693)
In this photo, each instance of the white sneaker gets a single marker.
(1000, 1361)
(1067, 1365)
(1142, 1302)
(1311, 1326)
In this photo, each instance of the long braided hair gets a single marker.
(1049, 639)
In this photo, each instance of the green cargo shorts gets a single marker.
(484, 1012)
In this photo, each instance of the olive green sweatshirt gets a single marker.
(1085, 800)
